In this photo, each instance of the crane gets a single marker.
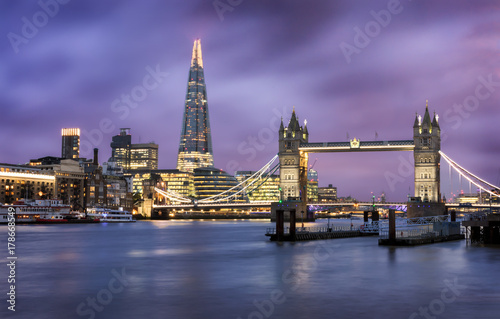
(311, 167)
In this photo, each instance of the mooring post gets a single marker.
(375, 216)
(292, 224)
(392, 225)
(280, 224)
(453, 215)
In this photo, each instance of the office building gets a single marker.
(267, 190)
(171, 179)
(209, 181)
(70, 143)
(327, 194)
(312, 185)
(133, 156)
(195, 147)
(18, 182)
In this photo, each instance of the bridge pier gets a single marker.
(374, 214)
(280, 225)
(425, 209)
(299, 208)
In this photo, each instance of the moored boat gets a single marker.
(107, 215)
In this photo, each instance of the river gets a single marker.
(229, 269)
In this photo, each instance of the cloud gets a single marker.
(265, 55)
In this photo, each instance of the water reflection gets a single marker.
(222, 269)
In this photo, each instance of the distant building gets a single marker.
(120, 148)
(106, 191)
(268, 189)
(172, 179)
(111, 167)
(19, 182)
(209, 181)
(195, 147)
(133, 156)
(47, 160)
(312, 185)
(70, 180)
(70, 143)
(144, 156)
(327, 194)
(467, 198)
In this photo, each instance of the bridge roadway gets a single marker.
(360, 146)
(259, 204)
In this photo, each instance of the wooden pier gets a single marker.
(316, 233)
(483, 228)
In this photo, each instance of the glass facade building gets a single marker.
(312, 185)
(195, 147)
(171, 179)
(268, 190)
(209, 181)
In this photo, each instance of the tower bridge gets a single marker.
(292, 162)
(294, 150)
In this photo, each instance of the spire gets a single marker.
(427, 118)
(417, 122)
(196, 59)
(282, 128)
(305, 127)
(293, 125)
(435, 120)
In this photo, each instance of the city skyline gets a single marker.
(256, 73)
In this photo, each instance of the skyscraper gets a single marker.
(133, 156)
(70, 143)
(195, 148)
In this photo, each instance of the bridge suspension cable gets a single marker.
(469, 176)
(256, 176)
(229, 193)
(173, 195)
(271, 171)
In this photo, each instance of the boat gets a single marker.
(107, 215)
(43, 211)
(30, 211)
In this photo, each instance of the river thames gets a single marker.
(229, 269)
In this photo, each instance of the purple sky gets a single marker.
(262, 58)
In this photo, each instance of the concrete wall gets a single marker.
(419, 209)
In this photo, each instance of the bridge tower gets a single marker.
(427, 140)
(293, 164)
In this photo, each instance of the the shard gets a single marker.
(195, 148)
